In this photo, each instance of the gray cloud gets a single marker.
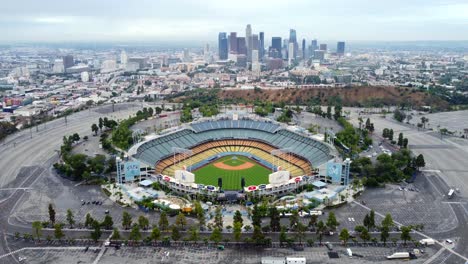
(91, 20)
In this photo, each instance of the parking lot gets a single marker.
(206, 255)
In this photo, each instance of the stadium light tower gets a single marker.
(185, 153)
(276, 153)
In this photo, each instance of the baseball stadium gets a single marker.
(232, 153)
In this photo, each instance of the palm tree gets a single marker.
(320, 229)
(37, 227)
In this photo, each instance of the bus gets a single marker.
(450, 193)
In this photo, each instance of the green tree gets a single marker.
(332, 223)
(37, 229)
(424, 121)
(155, 234)
(238, 217)
(405, 143)
(257, 235)
(419, 162)
(365, 236)
(366, 222)
(237, 231)
(175, 233)
(94, 128)
(143, 222)
(135, 234)
(294, 220)
(400, 140)
(200, 214)
(194, 234)
(313, 220)
(100, 123)
(320, 229)
(96, 233)
(283, 238)
(300, 231)
(274, 219)
(181, 221)
(329, 112)
(405, 234)
(107, 223)
(158, 110)
(163, 222)
(58, 233)
(390, 135)
(216, 235)
(384, 234)
(70, 218)
(387, 221)
(51, 214)
(337, 114)
(399, 115)
(126, 220)
(372, 219)
(256, 216)
(344, 235)
(218, 219)
(115, 234)
(89, 220)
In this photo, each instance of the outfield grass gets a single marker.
(255, 175)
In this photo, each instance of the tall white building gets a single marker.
(85, 77)
(206, 53)
(123, 58)
(186, 55)
(108, 66)
(58, 66)
(256, 66)
(254, 56)
(291, 52)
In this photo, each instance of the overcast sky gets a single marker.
(201, 20)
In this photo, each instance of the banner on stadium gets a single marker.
(279, 177)
(334, 171)
(132, 170)
(184, 176)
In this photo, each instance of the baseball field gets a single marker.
(231, 169)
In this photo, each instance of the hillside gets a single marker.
(355, 96)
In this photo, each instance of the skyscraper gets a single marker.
(241, 47)
(340, 48)
(255, 55)
(261, 45)
(275, 51)
(222, 46)
(323, 47)
(248, 39)
(292, 36)
(68, 61)
(233, 43)
(293, 39)
(314, 45)
(123, 57)
(186, 55)
(255, 42)
(304, 49)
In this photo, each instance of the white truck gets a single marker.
(399, 255)
(427, 242)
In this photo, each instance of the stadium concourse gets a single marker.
(197, 158)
